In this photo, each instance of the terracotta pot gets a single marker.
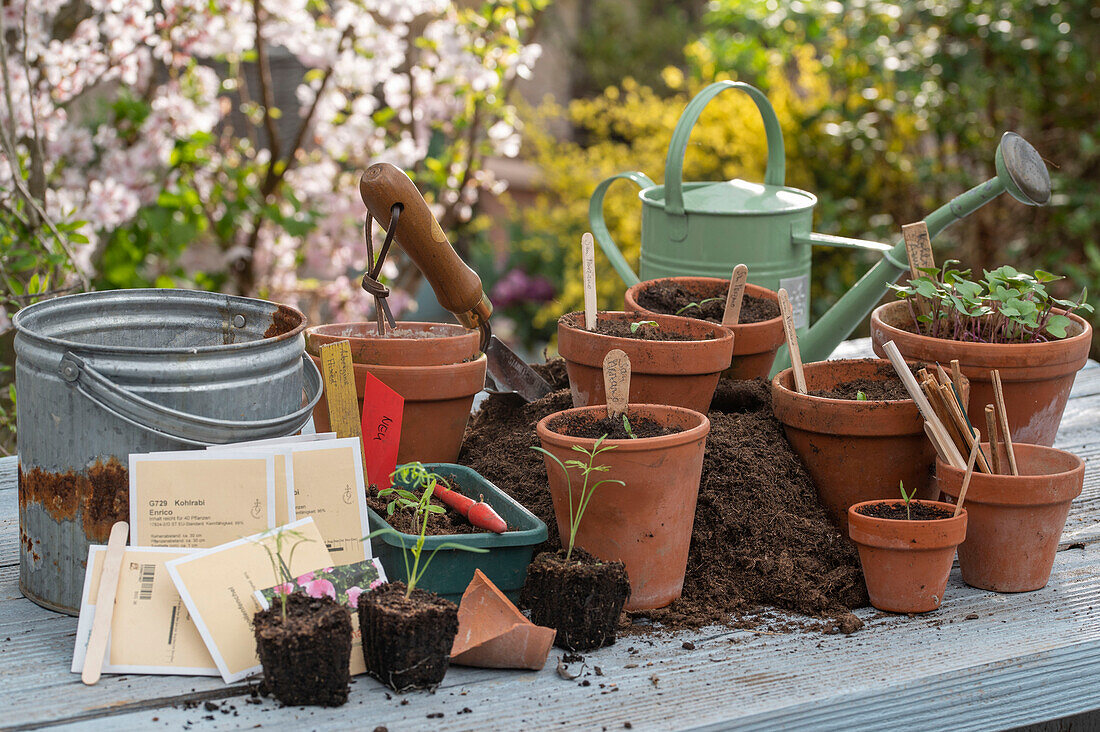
(906, 563)
(677, 373)
(437, 405)
(754, 344)
(1037, 377)
(1015, 520)
(448, 343)
(646, 524)
(493, 633)
(855, 451)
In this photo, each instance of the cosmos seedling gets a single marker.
(860, 396)
(279, 566)
(587, 469)
(629, 431)
(650, 323)
(907, 498)
(699, 304)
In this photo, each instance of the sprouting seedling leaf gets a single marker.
(699, 304)
(649, 323)
(860, 396)
(629, 431)
(576, 512)
(907, 498)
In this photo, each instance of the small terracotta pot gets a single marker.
(646, 524)
(754, 344)
(437, 405)
(1037, 377)
(1015, 520)
(906, 563)
(677, 373)
(855, 451)
(448, 343)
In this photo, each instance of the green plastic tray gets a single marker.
(451, 570)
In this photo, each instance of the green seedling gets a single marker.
(699, 304)
(576, 512)
(280, 567)
(629, 431)
(417, 475)
(860, 396)
(1005, 306)
(907, 498)
(651, 323)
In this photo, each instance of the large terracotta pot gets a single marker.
(855, 451)
(906, 563)
(754, 344)
(447, 343)
(677, 373)
(1037, 377)
(646, 524)
(437, 405)
(1015, 520)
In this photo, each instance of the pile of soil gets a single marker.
(760, 536)
(672, 298)
(404, 519)
(897, 512)
(884, 385)
(583, 425)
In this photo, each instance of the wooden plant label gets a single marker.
(918, 247)
(736, 295)
(792, 340)
(381, 423)
(105, 602)
(616, 382)
(588, 273)
(339, 378)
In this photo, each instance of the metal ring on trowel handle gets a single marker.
(189, 429)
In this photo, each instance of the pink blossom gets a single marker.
(284, 589)
(320, 588)
(376, 583)
(353, 596)
(307, 577)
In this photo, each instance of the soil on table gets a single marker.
(305, 657)
(883, 386)
(760, 535)
(583, 425)
(581, 599)
(439, 524)
(407, 640)
(672, 298)
(896, 511)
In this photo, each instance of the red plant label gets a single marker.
(382, 408)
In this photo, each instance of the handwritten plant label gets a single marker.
(382, 409)
(616, 381)
(588, 274)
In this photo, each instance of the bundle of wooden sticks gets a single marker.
(943, 400)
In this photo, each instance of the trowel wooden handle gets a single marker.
(457, 287)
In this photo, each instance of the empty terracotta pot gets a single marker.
(1037, 377)
(906, 563)
(437, 405)
(855, 451)
(754, 344)
(428, 344)
(1015, 520)
(677, 373)
(646, 524)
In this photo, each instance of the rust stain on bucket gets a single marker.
(102, 495)
(284, 320)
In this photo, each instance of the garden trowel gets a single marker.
(457, 287)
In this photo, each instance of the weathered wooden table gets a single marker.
(983, 661)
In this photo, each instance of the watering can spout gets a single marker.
(1020, 171)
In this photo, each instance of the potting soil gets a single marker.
(578, 425)
(883, 385)
(760, 537)
(897, 512)
(672, 298)
(439, 524)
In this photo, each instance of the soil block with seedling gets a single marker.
(854, 448)
(304, 643)
(507, 554)
(757, 335)
(1006, 321)
(906, 548)
(675, 361)
(408, 631)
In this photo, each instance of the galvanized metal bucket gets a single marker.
(103, 374)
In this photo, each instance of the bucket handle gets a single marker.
(599, 226)
(189, 429)
(774, 175)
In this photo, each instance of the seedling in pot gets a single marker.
(860, 396)
(635, 327)
(629, 431)
(699, 304)
(907, 498)
(417, 477)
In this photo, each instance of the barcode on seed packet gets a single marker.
(146, 576)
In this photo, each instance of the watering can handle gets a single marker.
(189, 429)
(599, 226)
(774, 174)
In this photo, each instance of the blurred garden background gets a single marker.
(184, 143)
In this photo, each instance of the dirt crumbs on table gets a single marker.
(760, 535)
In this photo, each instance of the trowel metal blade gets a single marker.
(509, 372)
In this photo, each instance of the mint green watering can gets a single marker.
(706, 228)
